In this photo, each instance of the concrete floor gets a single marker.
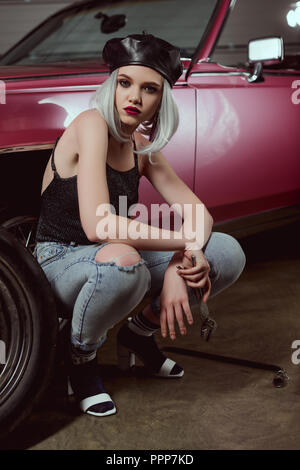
(215, 405)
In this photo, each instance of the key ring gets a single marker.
(209, 325)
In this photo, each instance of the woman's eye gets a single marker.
(150, 89)
(124, 83)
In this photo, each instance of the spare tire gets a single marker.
(28, 332)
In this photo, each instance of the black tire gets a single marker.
(28, 327)
(23, 227)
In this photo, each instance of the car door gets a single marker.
(247, 150)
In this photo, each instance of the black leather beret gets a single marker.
(144, 49)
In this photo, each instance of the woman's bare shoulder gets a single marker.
(88, 117)
(90, 130)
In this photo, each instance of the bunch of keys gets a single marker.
(208, 324)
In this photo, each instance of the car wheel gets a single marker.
(23, 227)
(28, 332)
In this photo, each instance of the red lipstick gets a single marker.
(132, 110)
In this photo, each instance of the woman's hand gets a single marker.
(174, 301)
(196, 277)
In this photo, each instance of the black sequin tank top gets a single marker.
(59, 214)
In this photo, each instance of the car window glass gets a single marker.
(81, 34)
(254, 19)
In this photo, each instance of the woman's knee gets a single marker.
(119, 253)
(238, 258)
(228, 256)
(132, 275)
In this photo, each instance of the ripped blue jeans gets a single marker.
(98, 295)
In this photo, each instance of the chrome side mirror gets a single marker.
(264, 50)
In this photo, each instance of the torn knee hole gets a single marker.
(132, 258)
(127, 259)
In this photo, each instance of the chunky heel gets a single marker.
(126, 358)
(131, 344)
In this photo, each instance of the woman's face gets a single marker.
(141, 88)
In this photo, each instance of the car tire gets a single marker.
(23, 227)
(28, 332)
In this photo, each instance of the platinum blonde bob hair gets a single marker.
(160, 129)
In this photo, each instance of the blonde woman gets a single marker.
(97, 274)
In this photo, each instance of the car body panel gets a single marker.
(236, 146)
(240, 126)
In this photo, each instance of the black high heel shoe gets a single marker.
(130, 344)
(84, 382)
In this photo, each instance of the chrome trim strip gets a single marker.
(216, 74)
(245, 74)
(26, 148)
(94, 87)
(53, 89)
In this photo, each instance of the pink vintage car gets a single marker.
(237, 145)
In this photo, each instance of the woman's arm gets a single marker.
(195, 215)
(92, 141)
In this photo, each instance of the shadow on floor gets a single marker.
(281, 243)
